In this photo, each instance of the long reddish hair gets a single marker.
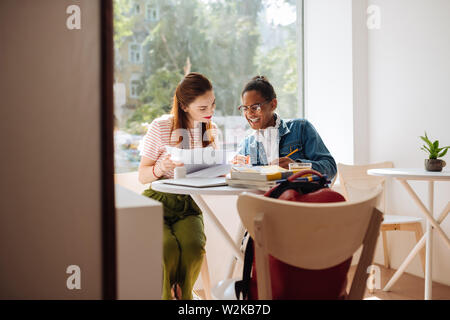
(190, 88)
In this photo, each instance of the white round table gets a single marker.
(160, 186)
(403, 175)
(411, 174)
(197, 195)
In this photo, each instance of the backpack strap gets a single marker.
(302, 187)
(304, 173)
(242, 287)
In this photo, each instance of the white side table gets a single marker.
(403, 175)
(139, 245)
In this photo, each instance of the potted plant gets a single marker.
(434, 152)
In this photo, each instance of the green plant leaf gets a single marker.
(436, 144)
(440, 149)
(443, 152)
(424, 147)
(428, 142)
(433, 154)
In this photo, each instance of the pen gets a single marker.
(292, 153)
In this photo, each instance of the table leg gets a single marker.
(429, 245)
(207, 210)
(431, 223)
(206, 280)
(425, 211)
(232, 244)
(414, 252)
(239, 236)
(419, 245)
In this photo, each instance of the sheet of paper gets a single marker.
(202, 158)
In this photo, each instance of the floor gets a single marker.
(407, 287)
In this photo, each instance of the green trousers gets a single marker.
(183, 242)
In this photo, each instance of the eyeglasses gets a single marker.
(254, 107)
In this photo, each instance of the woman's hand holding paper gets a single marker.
(167, 164)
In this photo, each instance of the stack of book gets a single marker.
(259, 177)
(265, 177)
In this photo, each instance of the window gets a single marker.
(228, 41)
(136, 8)
(135, 53)
(134, 89)
(152, 13)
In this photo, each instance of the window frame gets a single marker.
(132, 53)
(136, 5)
(148, 17)
(134, 84)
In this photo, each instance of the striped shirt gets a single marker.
(159, 136)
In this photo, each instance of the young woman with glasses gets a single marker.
(278, 141)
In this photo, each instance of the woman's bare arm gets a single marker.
(148, 168)
(146, 171)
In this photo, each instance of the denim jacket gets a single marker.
(293, 134)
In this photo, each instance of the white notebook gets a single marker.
(197, 182)
(211, 172)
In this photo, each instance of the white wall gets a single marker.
(360, 82)
(371, 93)
(328, 74)
(409, 77)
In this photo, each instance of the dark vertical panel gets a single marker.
(107, 116)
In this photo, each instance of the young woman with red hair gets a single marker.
(188, 126)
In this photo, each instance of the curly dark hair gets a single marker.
(262, 85)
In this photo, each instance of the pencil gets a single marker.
(292, 153)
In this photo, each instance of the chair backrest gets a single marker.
(356, 183)
(130, 180)
(310, 235)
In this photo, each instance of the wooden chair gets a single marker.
(130, 181)
(356, 182)
(310, 235)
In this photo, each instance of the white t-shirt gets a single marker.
(269, 138)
